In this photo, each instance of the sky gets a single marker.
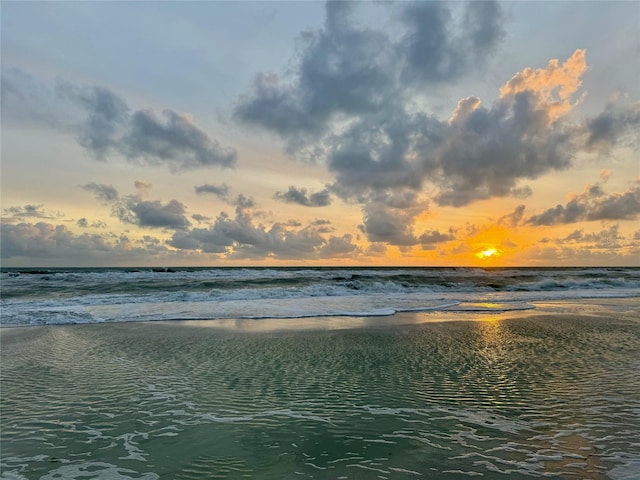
(309, 133)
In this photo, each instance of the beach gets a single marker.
(551, 391)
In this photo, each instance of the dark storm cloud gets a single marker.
(593, 204)
(303, 197)
(105, 193)
(106, 126)
(220, 191)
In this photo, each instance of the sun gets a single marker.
(488, 253)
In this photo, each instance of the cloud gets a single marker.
(344, 69)
(103, 192)
(432, 237)
(603, 247)
(364, 118)
(381, 224)
(321, 225)
(578, 254)
(56, 244)
(42, 239)
(136, 211)
(221, 191)
(27, 101)
(605, 130)
(376, 250)
(593, 204)
(28, 211)
(241, 238)
(389, 217)
(553, 85)
(609, 238)
(142, 188)
(105, 125)
(302, 197)
(84, 223)
(176, 142)
(488, 150)
(605, 174)
(153, 214)
(107, 114)
(244, 202)
(339, 247)
(201, 218)
(340, 70)
(436, 49)
(521, 192)
(479, 153)
(514, 218)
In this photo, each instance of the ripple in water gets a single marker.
(512, 399)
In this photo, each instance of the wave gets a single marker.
(110, 295)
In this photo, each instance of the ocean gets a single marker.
(320, 373)
(63, 296)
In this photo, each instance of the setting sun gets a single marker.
(489, 252)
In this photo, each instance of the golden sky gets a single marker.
(280, 133)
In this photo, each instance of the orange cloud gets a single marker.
(465, 107)
(553, 85)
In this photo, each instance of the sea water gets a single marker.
(505, 374)
(59, 296)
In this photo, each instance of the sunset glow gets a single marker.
(489, 252)
(363, 141)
